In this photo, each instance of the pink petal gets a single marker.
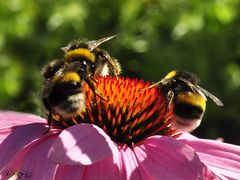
(10, 120)
(166, 158)
(3, 134)
(131, 169)
(72, 172)
(187, 136)
(82, 144)
(31, 162)
(107, 168)
(18, 139)
(104, 169)
(221, 157)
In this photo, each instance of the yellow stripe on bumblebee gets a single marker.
(69, 76)
(80, 52)
(191, 99)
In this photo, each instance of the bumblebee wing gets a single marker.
(214, 98)
(194, 88)
(95, 43)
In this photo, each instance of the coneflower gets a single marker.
(129, 115)
(129, 136)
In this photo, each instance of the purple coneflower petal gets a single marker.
(221, 158)
(10, 120)
(23, 153)
(165, 157)
(104, 169)
(32, 161)
(73, 172)
(131, 167)
(82, 144)
(18, 139)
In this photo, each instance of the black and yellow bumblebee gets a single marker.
(61, 90)
(181, 88)
(93, 60)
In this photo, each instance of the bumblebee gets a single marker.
(62, 89)
(189, 99)
(93, 60)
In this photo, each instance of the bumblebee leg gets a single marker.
(159, 83)
(113, 63)
(116, 67)
(49, 120)
(92, 87)
(101, 96)
(93, 79)
(170, 97)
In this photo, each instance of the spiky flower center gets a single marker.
(130, 113)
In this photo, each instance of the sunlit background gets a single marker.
(154, 37)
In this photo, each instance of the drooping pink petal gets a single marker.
(10, 120)
(82, 144)
(19, 138)
(220, 157)
(31, 162)
(166, 158)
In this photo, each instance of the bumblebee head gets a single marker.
(69, 80)
(82, 49)
(49, 71)
(185, 75)
(175, 74)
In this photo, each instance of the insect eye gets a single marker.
(51, 70)
(84, 65)
(80, 70)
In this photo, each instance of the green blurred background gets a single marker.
(154, 37)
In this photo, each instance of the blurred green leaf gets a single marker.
(233, 71)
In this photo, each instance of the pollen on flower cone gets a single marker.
(129, 115)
